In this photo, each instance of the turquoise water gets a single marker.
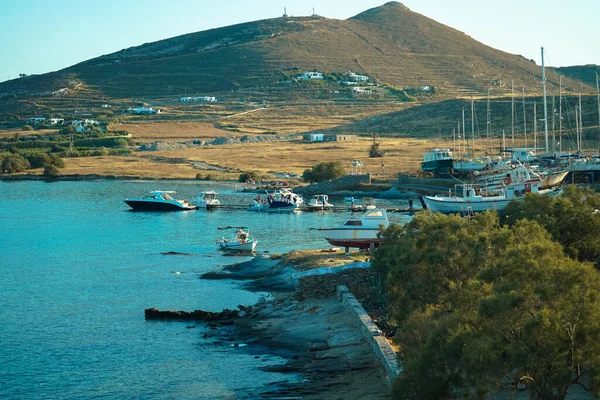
(78, 269)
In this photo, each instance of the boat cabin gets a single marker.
(437, 155)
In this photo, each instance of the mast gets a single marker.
(473, 128)
(503, 140)
(580, 121)
(598, 101)
(512, 120)
(489, 122)
(535, 125)
(524, 118)
(545, 105)
(459, 140)
(553, 123)
(577, 127)
(464, 135)
(560, 113)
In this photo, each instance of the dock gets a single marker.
(334, 209)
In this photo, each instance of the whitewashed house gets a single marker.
(310, 75)
(142, 110)
(55, 121)
(84, 125)
(205, 99)
(360, 91)
(356, 77)
(36, 120)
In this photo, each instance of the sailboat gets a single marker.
(470, 164)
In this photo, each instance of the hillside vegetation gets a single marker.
(390, 43)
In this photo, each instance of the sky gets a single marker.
(39, 36)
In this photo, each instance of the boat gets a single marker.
(319, 202)
(437, 161)
(207, 200)
(476, 198)
(159, 200)
(240, 240)
(283, 200)
(468, 166)
(361, 232)
(367, 203)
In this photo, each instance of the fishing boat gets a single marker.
(240, 240)
(319, 202)
(361, 232)
(207, 200)
(159, 200)
(437, 161)
(476, 198)
(283, 200)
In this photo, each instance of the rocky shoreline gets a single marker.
(325, 351)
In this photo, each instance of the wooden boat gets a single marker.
(361, 232)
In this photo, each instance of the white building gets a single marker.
(358, 91)
(55, 121)
(355, 77)
(310, 75)
(313, 137)
(84, 125)
(36, 120)
(206, 99)
(142, 110)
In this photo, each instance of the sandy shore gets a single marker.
(318, 338)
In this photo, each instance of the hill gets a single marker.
(583, 73)
(390, 43)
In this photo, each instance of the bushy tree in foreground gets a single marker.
(481, 306)
(324, 171)
(572, 219)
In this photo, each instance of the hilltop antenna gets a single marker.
(285, 12)
(313, 14)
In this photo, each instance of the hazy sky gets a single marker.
(38, 36)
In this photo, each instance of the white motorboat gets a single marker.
(283, 200)
(476, 198)
(361, 232)
(159, 200)
(207, 200)
(240, 240)
(319, 202)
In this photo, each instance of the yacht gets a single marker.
(159, 200)
(319, 202)
(207, 200)
(361, 232)
(283, 200)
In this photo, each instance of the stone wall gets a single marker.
(335, 184)
(372, 334)
(323, 282)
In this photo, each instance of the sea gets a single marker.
(78, 269)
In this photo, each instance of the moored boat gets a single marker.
(319, 202)
(367, 203)
(361, 232)
(207, 200)
(283, 200)
(159, 200)
(240, 240)
(476, 198)
(437, 161)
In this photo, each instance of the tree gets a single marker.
(249, 176)
(478, 303)
(39, 160)
(324, 171)
(27, 127)
(572, 219)
(14, 163)
(375, 149)
(50, 171)
(56, 161)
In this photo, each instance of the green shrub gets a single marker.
(249, 176)
(39, 160)
(50, 171)
(56, 161)
(15, 163)
(27, 127)
(324, 171)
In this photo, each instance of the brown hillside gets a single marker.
(391, 43)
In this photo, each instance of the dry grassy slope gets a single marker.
(440, 118)
(392, 43)
(583, 73)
